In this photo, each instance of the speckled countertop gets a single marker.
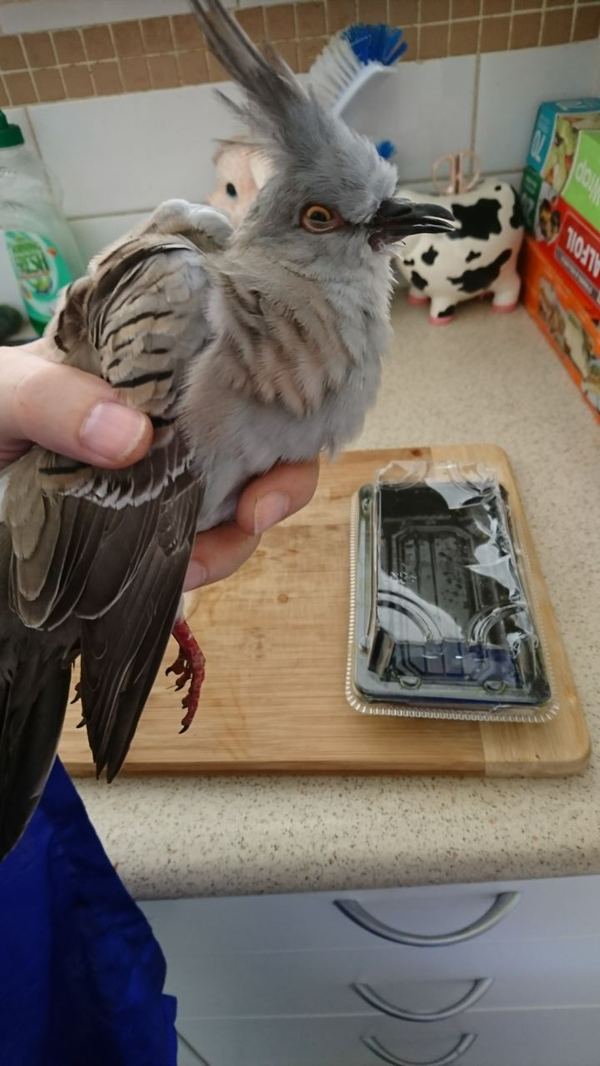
(484, 378)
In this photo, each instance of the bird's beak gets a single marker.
(397, 219)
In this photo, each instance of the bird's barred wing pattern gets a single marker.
(110, 548)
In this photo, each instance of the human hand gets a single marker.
(79, 415)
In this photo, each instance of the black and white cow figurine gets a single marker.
(477, 259)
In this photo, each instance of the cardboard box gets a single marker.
(577, 252)
(538, 202)
(559, 311)
(582, 190)
(554, 138)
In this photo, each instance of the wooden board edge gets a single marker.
(575, 763)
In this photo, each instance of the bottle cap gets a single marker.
(10, 135)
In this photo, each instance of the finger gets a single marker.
(279, 493)
(67, 411)
(217, 554)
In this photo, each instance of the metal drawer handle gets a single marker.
(504, 902)
(466, 1041)
(476, 991)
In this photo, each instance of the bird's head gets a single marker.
(330, 193)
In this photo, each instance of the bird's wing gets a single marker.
(110, 548)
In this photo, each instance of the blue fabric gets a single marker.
(81, 974)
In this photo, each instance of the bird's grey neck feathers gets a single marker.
(293, 335)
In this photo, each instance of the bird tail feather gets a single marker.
(33, 700)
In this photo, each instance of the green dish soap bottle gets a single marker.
(40, 245)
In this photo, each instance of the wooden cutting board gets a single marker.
(275, 639)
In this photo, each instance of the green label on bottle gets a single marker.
(41, 272)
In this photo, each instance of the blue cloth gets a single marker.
(81, 974)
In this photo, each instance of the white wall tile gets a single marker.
(513, 84)
(424, 108)
(116, 154)
(94, 234)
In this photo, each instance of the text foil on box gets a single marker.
(577, 250)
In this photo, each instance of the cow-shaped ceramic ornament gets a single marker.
(478, 259)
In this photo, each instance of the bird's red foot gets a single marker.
(189, 669)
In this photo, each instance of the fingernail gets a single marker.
(112, 430)
(196, 575)
(270, 509)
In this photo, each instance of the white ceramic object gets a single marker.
(479, 259)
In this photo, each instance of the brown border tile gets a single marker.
(310, 19)
(156, 34)
(135, 74)
(4, 100)
(495, 7)
(98, 42)
(12, 56)
(411, 37)
(20, 88)
(280, 22)
(342, 13)
(77, 80)
(464, 37)
(372, 12)
(216, 72)
(435, 10)
(49, 84)
(288, 50)
(38, 49)
(433, 41)
(556, 28)
(587, 22)
(193, 69)
(494, 34)
(252, 20)
(308, 50)
(106, 77)
(187, 33)
(128, 38)
(404, 12)
(525, 30)
(163, 52)
(68, 46)
(164, 72)
(465, 9)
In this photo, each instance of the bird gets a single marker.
(245, 349)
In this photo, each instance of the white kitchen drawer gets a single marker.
(187, 1057)
(525, 975)
(503, 1038)
(546, 908)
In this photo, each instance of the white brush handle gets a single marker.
(369, 74)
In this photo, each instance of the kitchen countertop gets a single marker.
(486, 377)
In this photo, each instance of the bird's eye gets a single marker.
(230, 189)
(316, 218)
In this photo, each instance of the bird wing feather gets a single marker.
(110, 548)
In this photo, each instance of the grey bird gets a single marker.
(244, 349)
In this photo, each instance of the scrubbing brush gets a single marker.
(355, 57)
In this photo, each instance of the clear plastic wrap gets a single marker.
(442, 620)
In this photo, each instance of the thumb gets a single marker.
(67, 411)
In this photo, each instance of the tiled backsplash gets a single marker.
(168, 50)
(117, 149)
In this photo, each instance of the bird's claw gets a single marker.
(189, 670)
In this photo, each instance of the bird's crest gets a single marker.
(278, 111)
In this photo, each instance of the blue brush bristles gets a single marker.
(386, 149)
(382, 44)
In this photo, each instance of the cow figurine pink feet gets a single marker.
(479, 259)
